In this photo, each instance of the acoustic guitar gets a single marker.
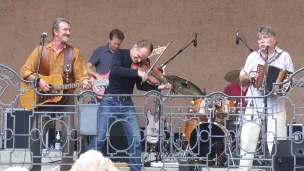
(30, 98)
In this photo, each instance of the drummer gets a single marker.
(235, 88)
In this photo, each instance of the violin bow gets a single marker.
(159, 57)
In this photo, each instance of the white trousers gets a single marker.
(276, 127)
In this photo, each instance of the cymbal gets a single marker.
(183, 86)
(233, 76)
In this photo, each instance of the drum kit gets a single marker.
(205, 134)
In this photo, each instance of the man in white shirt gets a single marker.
(276, 113)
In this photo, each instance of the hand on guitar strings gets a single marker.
(86, 85)
(44, 85)
(98, 76)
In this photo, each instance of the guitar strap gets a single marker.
(68, 64)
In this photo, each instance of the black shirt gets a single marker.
(101, 59)
(122, 77)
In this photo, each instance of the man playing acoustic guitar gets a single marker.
(58, 58)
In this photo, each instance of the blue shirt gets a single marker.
(101, 59)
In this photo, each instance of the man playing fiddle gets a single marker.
(122, 80)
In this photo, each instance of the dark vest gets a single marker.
(67, 67)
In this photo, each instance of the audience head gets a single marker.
(16, 169)
(92, 161)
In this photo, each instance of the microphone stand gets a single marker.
(246, 44)
(265, 91)
(180, 51)
(37, 79)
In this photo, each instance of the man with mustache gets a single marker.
(57, 56)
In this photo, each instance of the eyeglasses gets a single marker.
(264, 37)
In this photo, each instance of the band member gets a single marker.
(237, 89)
(102, 56)
(276, 113)
(122, 80)
(101, 60)
(53, 62)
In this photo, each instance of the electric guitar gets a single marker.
(29, 98)
(100, 89)
(152, 127)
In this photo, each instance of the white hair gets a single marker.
(92, 161)
(16, 169)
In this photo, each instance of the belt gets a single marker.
(120, 98)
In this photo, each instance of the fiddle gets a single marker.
(155, 76)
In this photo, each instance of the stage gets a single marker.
(22, 159)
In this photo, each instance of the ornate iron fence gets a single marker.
(204, 133)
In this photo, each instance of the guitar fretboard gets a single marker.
(67, 86)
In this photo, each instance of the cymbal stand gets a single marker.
(159, 110)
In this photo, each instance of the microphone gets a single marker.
(44, 34)
(237, 39)
(195, 40)
(267, 47)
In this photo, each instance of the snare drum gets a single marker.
(198, 105)
(227, 106)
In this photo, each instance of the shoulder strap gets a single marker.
(276, 57)
(68, 62)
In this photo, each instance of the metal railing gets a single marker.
(206, 133)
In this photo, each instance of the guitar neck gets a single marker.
(67, 86)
